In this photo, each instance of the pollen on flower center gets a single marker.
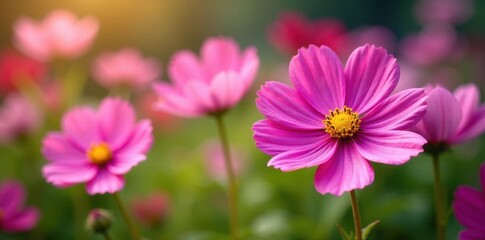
(100, 153)
(342, 123)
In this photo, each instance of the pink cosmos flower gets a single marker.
(126, 67)
(452, 118)
(60, 34)
(293, 30)
(443, 11)
(18, 117)
(211, 84)
(469, 208)
(97, 147)
(14, 217)
(339, 119)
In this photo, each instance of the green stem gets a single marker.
(438, 196)
(106, 235)
(232, 195)
(356, 214)
(135, 235)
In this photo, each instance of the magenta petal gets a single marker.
(472, 235)
(12, 196)
(21, 221)
(220, 54)
(57, 148)
(390, 146)
(116, 119)
(173, 102)
(122, 164)
(105, 182)
(443, 115)
(184, 67)
(469, 207)
(371, 76)
(63, 175)
(198, 93)
(346, 171)
(305, 156)
(398, 112)
(226, 89)
(249, 66)
(140, 141)
(282, 104)
(482, 176)
(273, 138)
(472, 128)
(318, 77)
(469, 98)
(80, 127)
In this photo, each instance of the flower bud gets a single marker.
(99, 221)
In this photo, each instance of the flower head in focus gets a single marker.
(14, 216)
(15, 68)
(293, 30)
(339, 119)
(18, 117)
(469, 208)
(60, 35)
(126, 67)
(96, 146)
(210, 84)
(452, 118)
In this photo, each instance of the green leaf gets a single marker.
(344, 234)
(366, 231)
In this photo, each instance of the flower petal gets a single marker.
(105, 182)
(249, 66)
(283, 105)
(390, 146)
(472, 235)
(226, 89)
(346, 171)
(318, 77)
(116, 119)
(30, 39)
(472, 128)
(140, 141)
(64, 175)
(398, 112)
(173, 102)
(272, 138)
(442, 117)
(220, 54)
(469, 98)
(305, 156)
(371, 76)
(57, 148)
(122, 164)
(184, 67)
(469, 207)
(198, 93)
(80, 127)
(22, 220)
(12, 195)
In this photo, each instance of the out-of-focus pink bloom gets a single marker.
(452, 118)
(51, 95)
(469, 208)
(377, 35)
(443, 11)
(211, 84)
(215, 163)
(59, 35)
(152, 209)
(97, 147)
(161, 120)
(411, 77)
(432, 45)
(14, 216)
(18, 117)
(355, 121)
(126, 67)
(15, 67)
(293, 30)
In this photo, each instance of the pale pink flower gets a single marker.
(215, 163)
(443, 11)
(210, 84)
(452, 118)
(14, 216)
(469, 208)
(18, 117)
(339, 119)
(126, 67)
(60, 35)
(96, 147)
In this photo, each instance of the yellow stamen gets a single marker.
(100, 154)
(342, 123)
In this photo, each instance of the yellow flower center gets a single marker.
(100, 154)
(342, 123)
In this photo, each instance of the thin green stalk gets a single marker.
(135, 235)
(232, 195)
(438, 197)
(356, 214)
